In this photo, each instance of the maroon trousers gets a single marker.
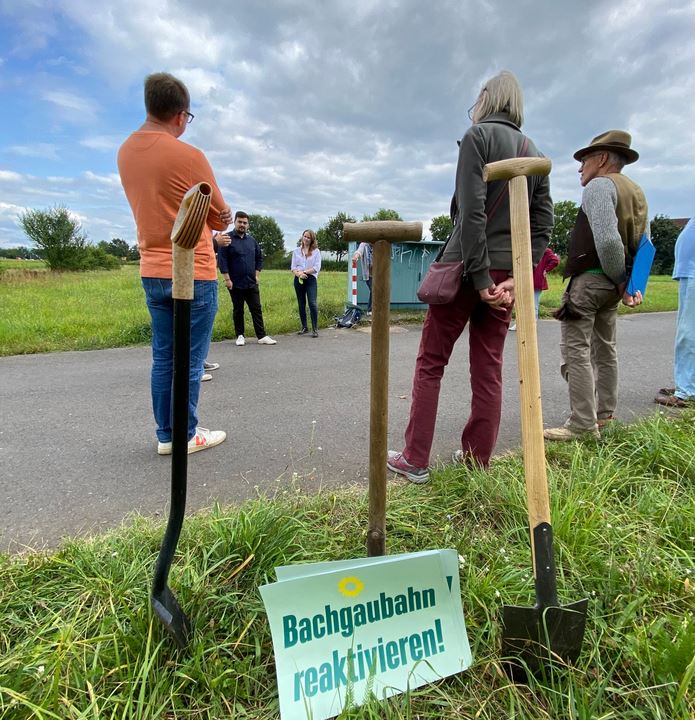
(443, 326)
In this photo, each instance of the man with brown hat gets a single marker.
(605, 237)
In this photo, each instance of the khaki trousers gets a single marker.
(589, 356)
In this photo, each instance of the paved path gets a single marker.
(77, 443)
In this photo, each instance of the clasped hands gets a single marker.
(500, 295)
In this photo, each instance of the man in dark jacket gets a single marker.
(241, 263)
(609, 225)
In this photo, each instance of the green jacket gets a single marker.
(483, 245)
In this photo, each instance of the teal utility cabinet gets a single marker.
(409, 263)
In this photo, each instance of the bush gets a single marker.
(96, 258)
(60, 241)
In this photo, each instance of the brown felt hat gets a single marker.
(617, 141)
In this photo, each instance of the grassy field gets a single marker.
(49, 312)
(79, 641)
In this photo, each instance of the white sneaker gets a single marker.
(206, 377)
(210, 365)
(267, 340)
(205, 438)
(241, 340)
(202, 439)
(512, 327)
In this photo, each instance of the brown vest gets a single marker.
(631, 211)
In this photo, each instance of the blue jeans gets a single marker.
(307, 291)
(684, 355)
(161, 307)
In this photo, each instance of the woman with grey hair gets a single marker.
(481, 238)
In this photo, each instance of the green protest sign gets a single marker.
(376, 625)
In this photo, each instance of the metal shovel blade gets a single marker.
(172, 616)
(535, 637)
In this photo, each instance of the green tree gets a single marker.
(441, 227)
(565, 217)
(382, 214)
(268, 234)
(133, 252)
(116, 247)
(60, 241)
(330, 236)
(664, 236)
(21, 252)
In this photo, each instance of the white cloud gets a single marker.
(102, 143)
(10, 176)
(72, 107)
(48, 151)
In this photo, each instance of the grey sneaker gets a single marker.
(397, 463)
(210, 366)
(566, 434)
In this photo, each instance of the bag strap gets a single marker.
(493, 209)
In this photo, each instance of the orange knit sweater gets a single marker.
(156, 171)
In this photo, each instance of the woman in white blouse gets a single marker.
(306, 265)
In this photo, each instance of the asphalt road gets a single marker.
(78, 448)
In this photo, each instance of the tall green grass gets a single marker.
(78, 639)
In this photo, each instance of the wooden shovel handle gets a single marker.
(527, 349)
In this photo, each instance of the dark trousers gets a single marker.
(443, 326)
(252, 297)
(307, 290)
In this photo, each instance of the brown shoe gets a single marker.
(673, 401)
(603, 422)
(565, 434)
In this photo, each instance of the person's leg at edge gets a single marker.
(300, 291)
(253, 300)
(442, 328)
(604, 358)
(161, 308)
(203, 310)
(537, 300)
(369, 285)
(488, 330)
(237, 310)
(684, 350)
(311, 294)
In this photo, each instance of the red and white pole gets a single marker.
(353, 298)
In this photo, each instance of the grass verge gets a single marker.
(78, 639)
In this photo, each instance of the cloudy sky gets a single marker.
(309, 107)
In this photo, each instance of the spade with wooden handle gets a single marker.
(185, 235)
(380, 234)
(547, 631)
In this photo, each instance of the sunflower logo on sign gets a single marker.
(350, 586)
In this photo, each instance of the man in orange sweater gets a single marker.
(156, 170)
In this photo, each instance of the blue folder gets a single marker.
(641, 266)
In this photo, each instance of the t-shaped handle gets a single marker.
(389, 230)
(514, 167)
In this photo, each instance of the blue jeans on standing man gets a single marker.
(161, 307)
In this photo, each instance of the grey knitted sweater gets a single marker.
(599, 201)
